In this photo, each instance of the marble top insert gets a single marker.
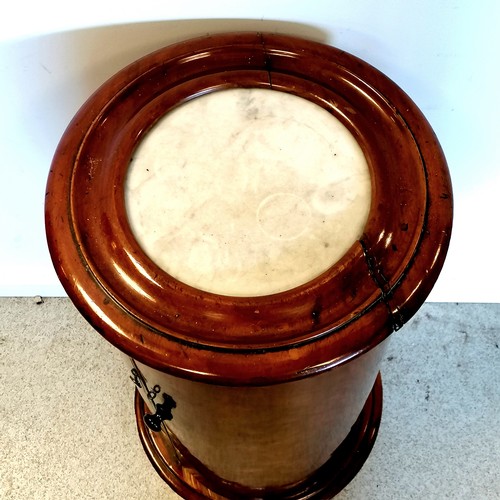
(247, 192)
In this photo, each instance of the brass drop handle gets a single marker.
(163, 412)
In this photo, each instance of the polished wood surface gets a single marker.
(261, 391)
(191, 479)
(267, 436)
(372, 291)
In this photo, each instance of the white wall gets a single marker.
(443, 53)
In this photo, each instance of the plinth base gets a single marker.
(190, 479)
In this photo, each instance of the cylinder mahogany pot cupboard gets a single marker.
(248, 217)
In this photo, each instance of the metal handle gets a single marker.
(163, 412)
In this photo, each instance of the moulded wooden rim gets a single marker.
(377, 286)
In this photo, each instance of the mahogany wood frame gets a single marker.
(174, 328)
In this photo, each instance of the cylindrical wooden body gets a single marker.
(276, 394)
(265, 437)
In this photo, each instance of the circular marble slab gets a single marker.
(247, 192)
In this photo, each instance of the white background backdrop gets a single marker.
(443, 53)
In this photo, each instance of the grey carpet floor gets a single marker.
(68, 425)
